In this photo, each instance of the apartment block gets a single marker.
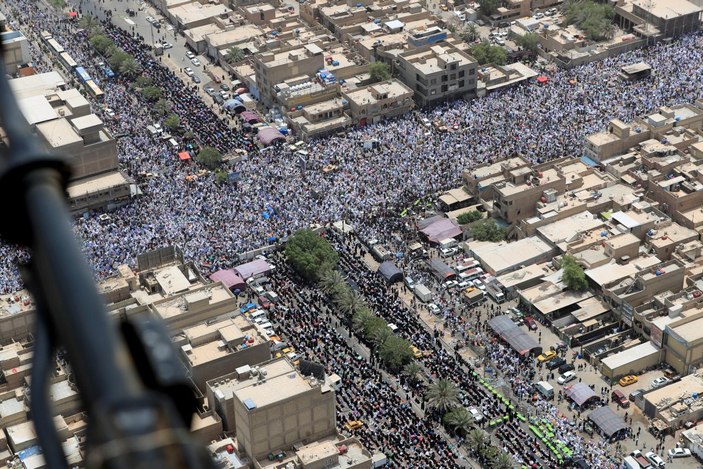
(437, 73)
(381, 100)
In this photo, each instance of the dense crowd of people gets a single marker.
(214, 223)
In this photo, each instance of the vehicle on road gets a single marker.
(196, 79)
(167, 45)
(190, 55)
(655, 459)
(195, 62)
(189, 71)
(555, 363)
(619, 397)
(546, 356)
(566, 377)
(353, 424)
(659, 382)
(476, 414)
(679, 452)
(531, 323)
(628, 380)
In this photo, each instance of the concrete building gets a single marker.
(379, 101)
(631, 361)
(191, 15)
(500, 258)
(670, 17)
(214, 349)
(15, 50)
(674, 404)
(438, 72)
(218, 43)
(273, 68)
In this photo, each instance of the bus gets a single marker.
(55, 47)
(82, 74)
(46, 35)
(67, 61)
(94, 90)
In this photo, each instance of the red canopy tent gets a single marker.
(542, 79)
(72, 14)
(184, 156)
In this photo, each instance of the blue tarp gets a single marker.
(588, 161)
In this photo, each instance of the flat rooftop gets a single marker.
(500, 257)
(59, 133)
(611, 272)
(690, 332)
(36, 109)
(668, 8)
(97, 183)
(629, 355)
(568, 229)
(177, 305)
(526, 274)
(561, 300)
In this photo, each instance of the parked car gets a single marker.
(353, 424)
(618, 397)
(555, 363)
(195, 62)
(679, 452)
(190, 55)
(635, 394)
(196, 79)
(224, 87)
(659, 382)
(628, 380)
(167, 45)
(210, 90)
(566, 377)
(434, 309)
(477, 415)
(531, 323)
(564, 368)
(546, 356)
(264, 302)
(655, 459)
(189, 71)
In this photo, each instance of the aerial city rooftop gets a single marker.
(508, 199)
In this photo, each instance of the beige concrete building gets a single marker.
(192, 15)
(438, 72)
(15, 50)
(274, 68)
(281, 408)
(214, 349)
(379, 101)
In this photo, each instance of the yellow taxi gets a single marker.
(546, 356)
(416, 351)
(628, 380)
(285, 351)
(353, 424)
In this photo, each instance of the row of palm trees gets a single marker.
(118, 59)
(392, 350)
(441, 396)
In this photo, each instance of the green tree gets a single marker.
(477, 440)
(372, 325)
(209, 157)
(469, 217)
(502, 461)
(90, 24)
(487, 230)
(221, 176)
(412, 370)
(459, 420)
(395, 353)
(594, 19)
(379, 71)
(162, 107)
(486, 53)
(529, 41)
(331, 281)
(361, 319)
(488, 7)
(130, 68)
(117, 58)
(234, 54)
(470, 33)
(143, 81)
(442, 395)
(172, 123)
(310, 254)
(152, 93)
(379, 337)
(573, 275)
(101, 43)
(348, 301)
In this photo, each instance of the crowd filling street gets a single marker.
(215, 223)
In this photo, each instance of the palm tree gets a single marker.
(360, 319)
(442, 395)
(234, 54)
(162, 107)
(330, 281)
(477, 439)
(349, 301)
(130, 68)
(460, 420)
(380, 336)
(502, 461)
(412, 370)
(89, 23)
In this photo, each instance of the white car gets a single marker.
(476, 414)
(679, 452)
(450, 284)
(167, 45)
(434, 309)
(447, 252)
(655, 459)
(479, 284)
(150, 19)
(659, 382)
(539, 16)
(195, 62)
(500, 42)
(189, 71)
(566, 377)
(190, 55)
(466, 284)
